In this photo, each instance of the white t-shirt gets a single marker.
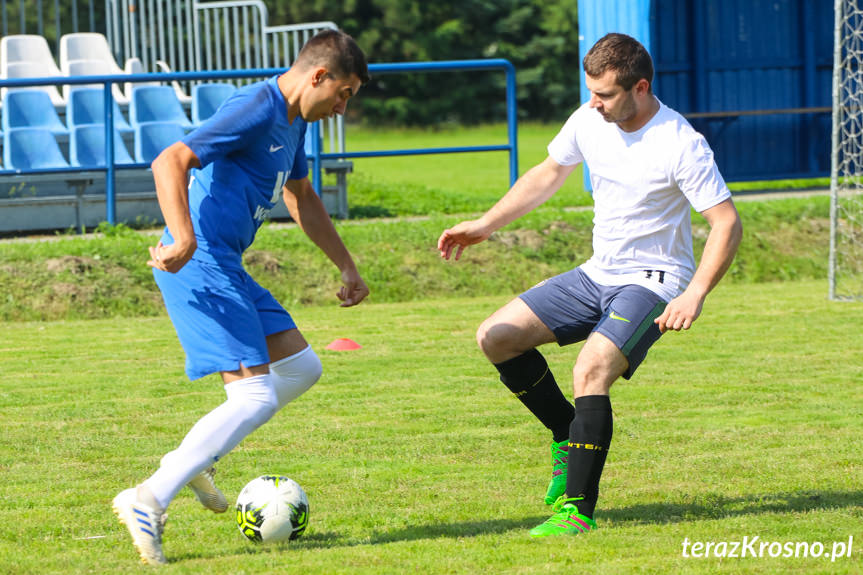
(643, 185)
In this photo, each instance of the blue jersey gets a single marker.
(247, 150)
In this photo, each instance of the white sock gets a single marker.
(295, 374)
(251, 403)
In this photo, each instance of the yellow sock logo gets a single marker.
(587, 446)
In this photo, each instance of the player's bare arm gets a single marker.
(726, 232)
(308, 211)
(530, 191)
(170, 173)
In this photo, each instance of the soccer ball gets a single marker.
(272, 508)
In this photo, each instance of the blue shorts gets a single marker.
(573, 306)
(222, 317)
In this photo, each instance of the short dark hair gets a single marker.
(623, 54)
(336, 51)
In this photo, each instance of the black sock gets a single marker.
(589, 440)
(532, 382)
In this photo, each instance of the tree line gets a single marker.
(540, 37)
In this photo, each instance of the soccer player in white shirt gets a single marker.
(647, 167)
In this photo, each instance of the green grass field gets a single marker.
(470, 182)
(445, 183)
(416, 459)
(106, 276)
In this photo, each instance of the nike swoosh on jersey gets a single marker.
(274, 148)
(613, 315)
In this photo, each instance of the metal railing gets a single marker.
(317, 156)
(193, 36)
(47, 18)
(450, 65)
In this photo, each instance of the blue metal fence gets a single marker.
(454, 65)
(387, 68)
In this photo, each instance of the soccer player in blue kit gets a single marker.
(241, 160)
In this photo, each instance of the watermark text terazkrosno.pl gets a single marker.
(756, 547)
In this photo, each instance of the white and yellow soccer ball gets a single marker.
(272, 508)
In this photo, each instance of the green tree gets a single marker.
(539, 37)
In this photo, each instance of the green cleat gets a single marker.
(565, 521)
(557, 485)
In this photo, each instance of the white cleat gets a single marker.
(206, 491)
(144, 524)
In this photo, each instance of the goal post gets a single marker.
(845, 272)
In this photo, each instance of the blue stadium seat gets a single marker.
(157, 104)
(87, 106)
(87, 147)
(31, 109)
(92, 68)
(31, 149)
(153, 137)
(206, 99)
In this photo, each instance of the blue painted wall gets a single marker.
(596, 18)
(732, 56)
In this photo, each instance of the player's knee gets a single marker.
(266, 412)
(294, 375)
(487, 339)
(312, 371)
(255, 398)
(481, 336)
(494, 339)
(591, 378)
(267, 405)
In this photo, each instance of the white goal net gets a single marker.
(846, 174)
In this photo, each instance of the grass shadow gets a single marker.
(700, 508)
(333, 539)
(369, 211)
(717, 506)
(456, 530)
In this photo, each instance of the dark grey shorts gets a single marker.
(573, 306)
